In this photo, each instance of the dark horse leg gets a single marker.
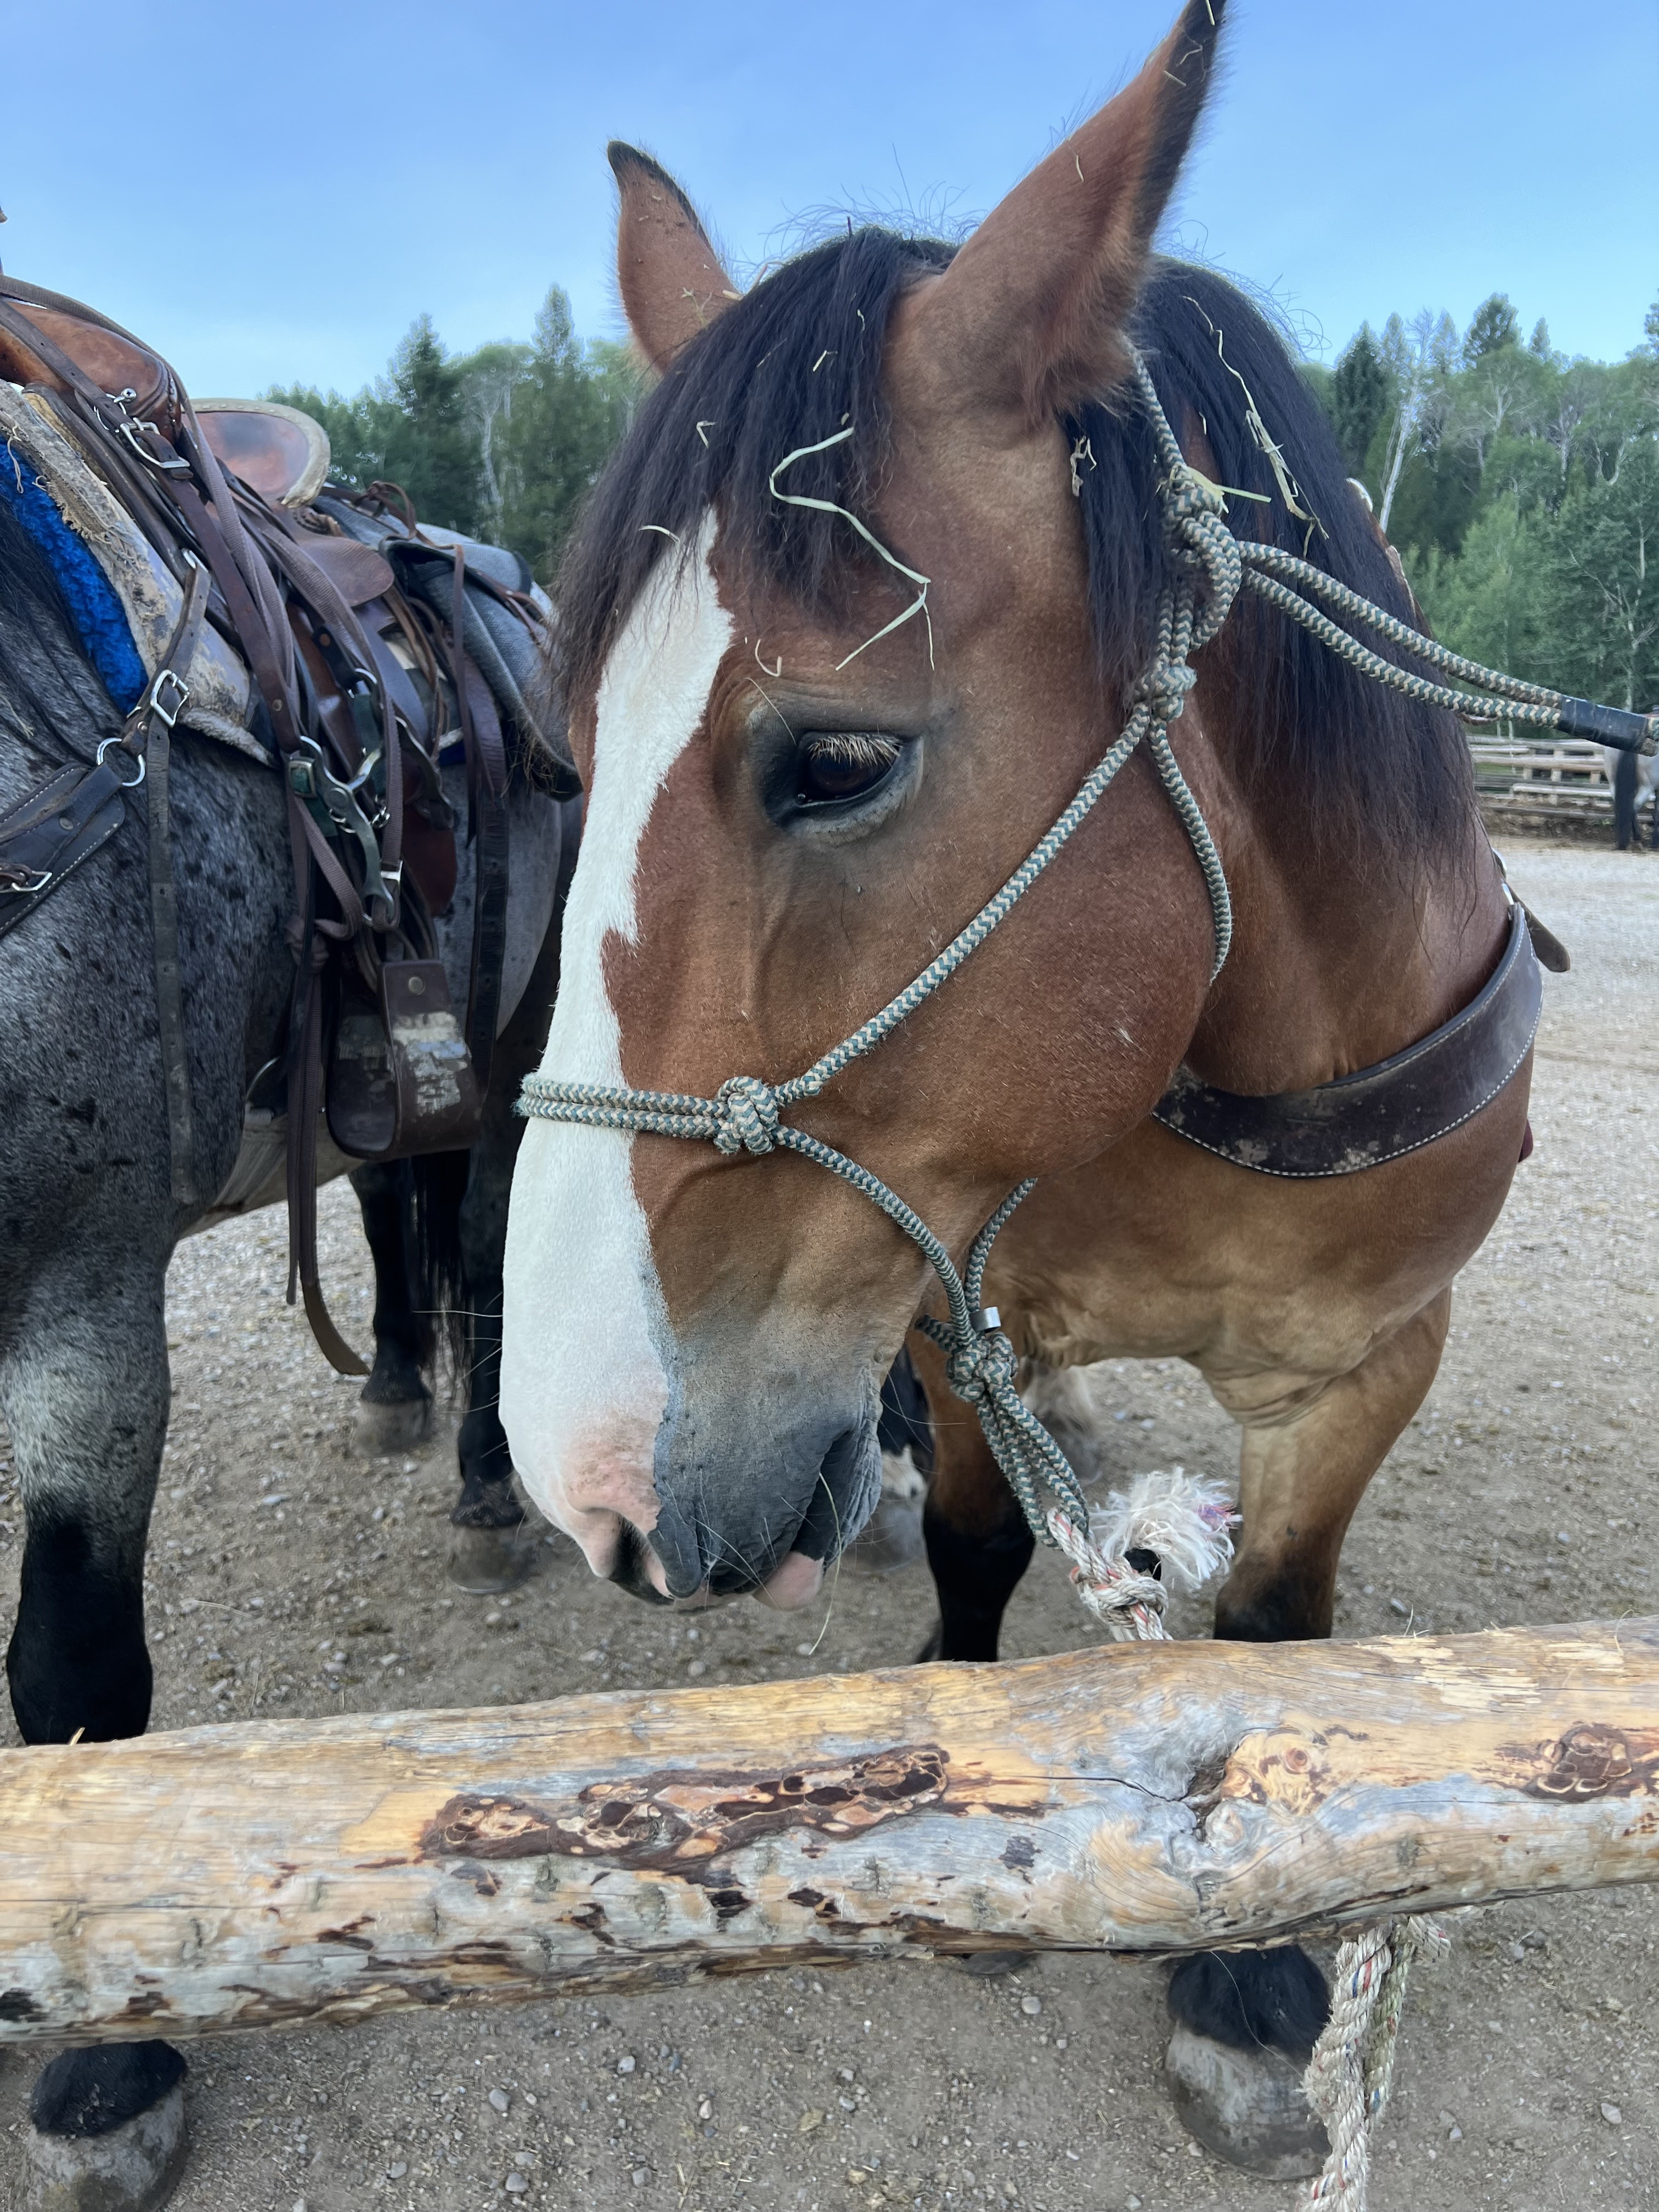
(436, 1228)
(486, 1551)
(395, 1410)
(84, 1390)
(1623, 802)
(978, 1544)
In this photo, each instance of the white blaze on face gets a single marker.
(583, 1383)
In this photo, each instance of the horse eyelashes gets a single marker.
(843, 763)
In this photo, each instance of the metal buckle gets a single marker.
(364, 772)
(169, 710)
(128, 428)
(167, 464)
(312, 778)
(42, 879)
(116, 745)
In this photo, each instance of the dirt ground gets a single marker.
(288, 1576)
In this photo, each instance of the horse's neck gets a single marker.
(1333, 968)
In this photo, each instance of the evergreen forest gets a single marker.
(501, 443)
(1521, 487)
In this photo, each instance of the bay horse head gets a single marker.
(857, 605)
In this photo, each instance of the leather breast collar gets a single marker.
(1379, 1113)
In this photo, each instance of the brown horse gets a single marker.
(807, 767)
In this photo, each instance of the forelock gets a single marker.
(793, 363)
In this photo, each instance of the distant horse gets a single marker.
(813, 751)
(90, 1224)
(1635, 780)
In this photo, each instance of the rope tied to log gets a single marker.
(1171, 1530)
(1351, 2071)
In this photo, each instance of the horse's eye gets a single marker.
(835, 765)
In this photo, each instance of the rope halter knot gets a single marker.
(1164, 689)
(981, 1366)
(745, 1115)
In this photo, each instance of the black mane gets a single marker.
(1369, 774)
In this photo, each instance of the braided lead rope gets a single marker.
(1351, 2073)
(1289, 569)
(1360, 656)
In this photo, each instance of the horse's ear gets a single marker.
(672, 284)
(1030, 315)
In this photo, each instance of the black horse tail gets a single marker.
(1623, 802)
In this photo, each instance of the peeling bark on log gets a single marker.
(1149, 1798)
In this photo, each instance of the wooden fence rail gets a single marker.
(1157, 1798)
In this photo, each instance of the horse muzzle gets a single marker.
(765, 1526)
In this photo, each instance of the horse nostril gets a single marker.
(632, 1571)
(844, 1495)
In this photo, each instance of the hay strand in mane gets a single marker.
(918, 605)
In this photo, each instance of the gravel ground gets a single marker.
(289, 1576)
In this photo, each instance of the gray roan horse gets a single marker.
(813, 753)
(90, 1224)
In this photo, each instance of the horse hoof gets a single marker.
(131, 2168)
(486, 1561)
(1247, 2106)
(381, 1430)
(891, 1538)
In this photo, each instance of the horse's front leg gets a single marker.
(394, 1412)
(488, 1547)
(1247, 2020)
(84, 1390)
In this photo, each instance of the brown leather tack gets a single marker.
(1381, 1113)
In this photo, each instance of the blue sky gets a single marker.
(370, 161)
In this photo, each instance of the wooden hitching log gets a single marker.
(1147, 1798)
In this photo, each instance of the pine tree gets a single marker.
(433, 447)
(1496, 324)
(1361, 393)
(551, 429)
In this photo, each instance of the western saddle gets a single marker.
(359, 676)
